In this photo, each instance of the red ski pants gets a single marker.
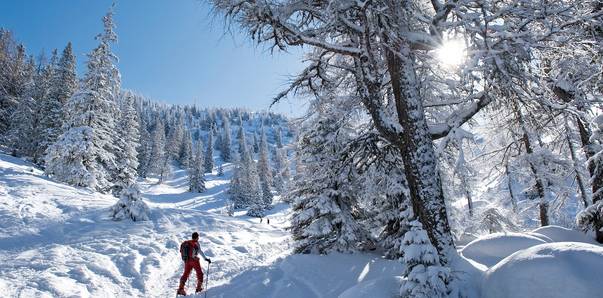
(188, 267)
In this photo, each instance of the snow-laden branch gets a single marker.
(459, 117)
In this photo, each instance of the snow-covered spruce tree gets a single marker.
(130, 206)
(208, 164)
(591, 218)
(91, 113)
(278, 138)
(62, 85)
(383, 194)
(23, 117)
(16, 76)
(145, 149)
(174, 140)
(264, 171)
(65, 79)
(220, 170)
(241, 140)
(245, 187)
(281, 172)
(225, 150)
(185, 157)
(256, 144)
(425, 277)
(49, 110)
(323, 210)
(196, 172)
(127, 142)
(159, 158)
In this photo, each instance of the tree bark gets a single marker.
(420, 164)
(576, 163)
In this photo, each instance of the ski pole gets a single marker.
(207, 280)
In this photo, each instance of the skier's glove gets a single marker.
(208, 260)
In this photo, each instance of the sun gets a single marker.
(452, 53)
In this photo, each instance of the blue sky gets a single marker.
(171, 51)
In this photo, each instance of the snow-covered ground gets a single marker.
(57, 241)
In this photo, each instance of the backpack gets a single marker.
(186, 250)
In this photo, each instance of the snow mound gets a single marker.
(490, 249)
(561, 234)
(307, 276)
(552, 270)
(380, 287)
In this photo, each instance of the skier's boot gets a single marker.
(199, 289)
(181, 290)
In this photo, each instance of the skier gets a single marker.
(188, 251)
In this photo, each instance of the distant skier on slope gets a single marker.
(189, 251)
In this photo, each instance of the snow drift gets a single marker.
(490, 249)
(553, 270)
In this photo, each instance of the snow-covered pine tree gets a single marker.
(591, 218)
(425, 277)
(62, 86)
(127, 143)
(225, 150)
(236, 191)
(278, 138)
(174, 140)
(130, 206)
(185, 157)
(91, 121)
(244, 187)
(220, 170)
(241, 140)
(256, 144)
(23, 117)
(208, 164)
(197, 172)
(16, 76)
(280, 166)
(145, 149)
(264, 171)
(65, 79)
(49, 110)
(323, 219)
(385, 201)
(159, 158)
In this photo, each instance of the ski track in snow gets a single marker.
(56, 240)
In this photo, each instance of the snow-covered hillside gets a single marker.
(57, 241)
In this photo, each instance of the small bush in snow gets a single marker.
(424, 275)
(130, 205)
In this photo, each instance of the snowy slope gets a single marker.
(56, 241)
